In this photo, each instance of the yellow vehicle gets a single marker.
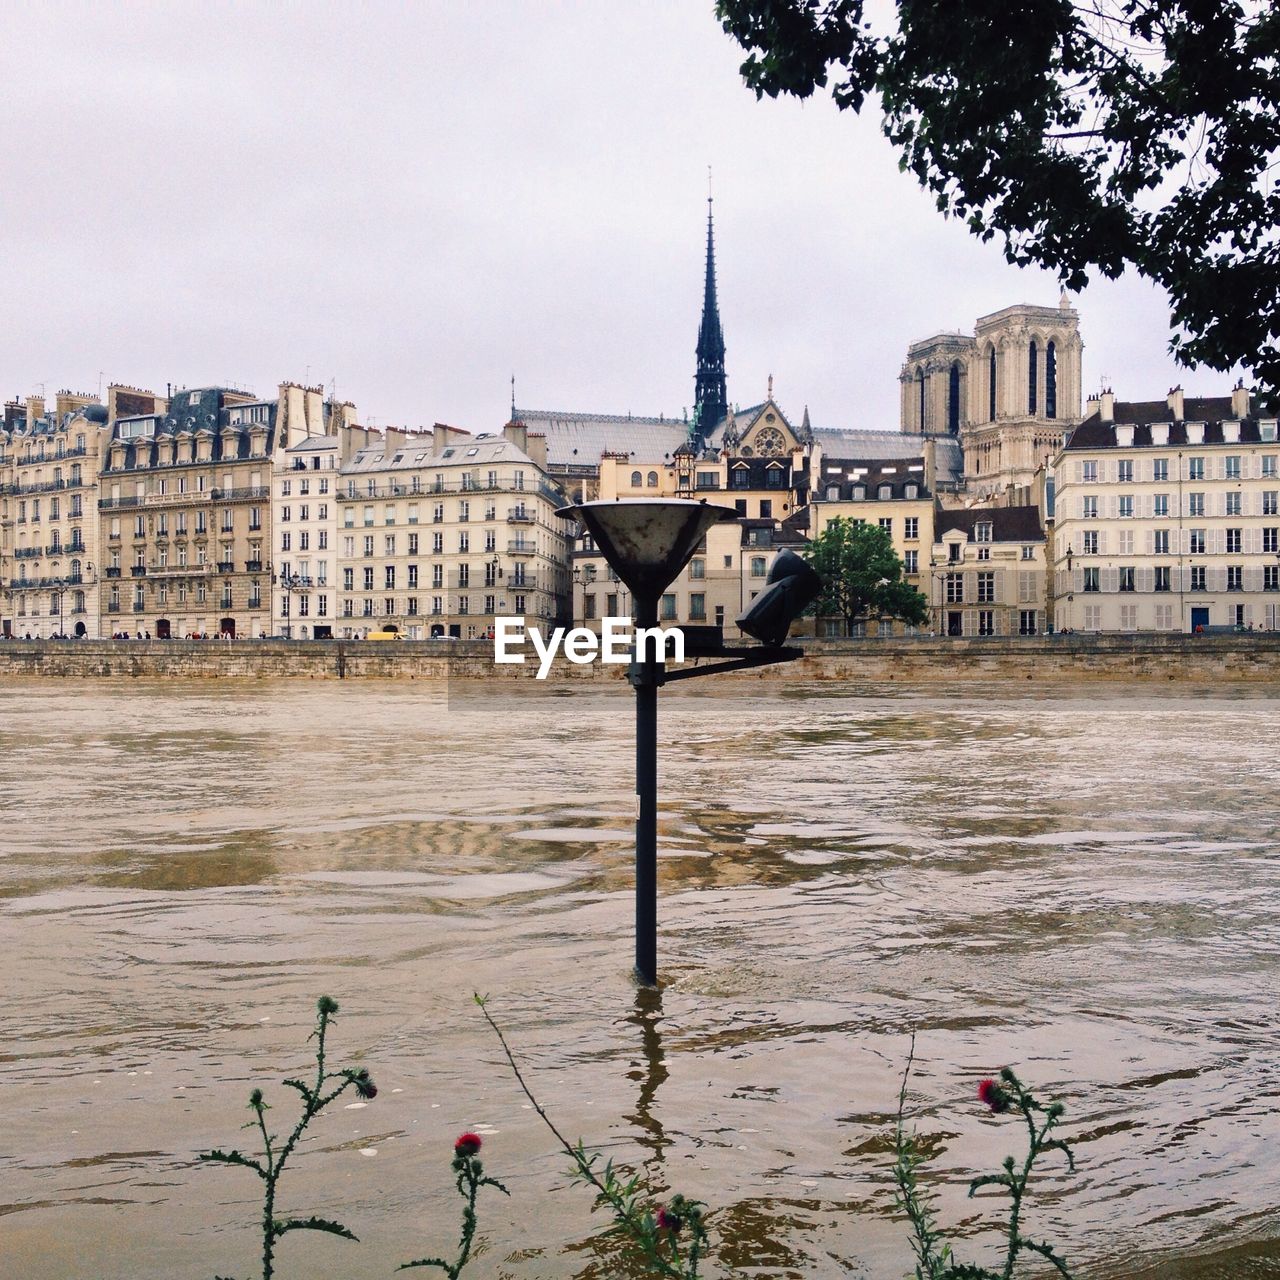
(387, 633)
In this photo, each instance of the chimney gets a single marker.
(518, 434)
(396, 438)
(1175, 403)
(1107, 406)
(1240, 400)
(1091, 406)
(536, 447)
(35, 408)
(930, 465)
(443, 436)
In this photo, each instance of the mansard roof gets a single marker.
(871, 474)
(1212, 411)
(1008, 524)
(578, 439)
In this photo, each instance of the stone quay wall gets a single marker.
(1249, 657)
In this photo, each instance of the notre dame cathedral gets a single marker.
(1008, 393)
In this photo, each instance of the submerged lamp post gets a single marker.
(647, 543)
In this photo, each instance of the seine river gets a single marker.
(1080, 882)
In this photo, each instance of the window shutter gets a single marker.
(1150, 542)
(1102, 542)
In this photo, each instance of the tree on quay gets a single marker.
(862, 576)
(1090, 136)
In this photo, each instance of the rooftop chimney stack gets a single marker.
(1176, 404)
(1107, 406)
(1240, 400)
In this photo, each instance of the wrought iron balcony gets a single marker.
(522, 548)
(113, 571)
(519, 517)
(139, 571)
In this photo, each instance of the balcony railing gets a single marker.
(244, 494)
(226, 566)
(113, 571)
(27, 553)
(113, 606)
(139, 571)
(253, 566)
(112, 504)
(519, 517)
(138, 606)
(522, 548)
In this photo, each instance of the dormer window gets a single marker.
(982, 531)
(885, 491)
(953, 553)
(859, 492)
(833, 493)
(911, 491)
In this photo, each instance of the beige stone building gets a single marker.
(185, 509)
(49, 561)
(441, 532)
(1009, 393)
(1167, 517)
(987, 572)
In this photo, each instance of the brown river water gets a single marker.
(1080, 882)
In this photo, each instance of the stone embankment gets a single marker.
(1248, 657)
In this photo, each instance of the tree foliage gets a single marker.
(862, 575)
(1089, 136)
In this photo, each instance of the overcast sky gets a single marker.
(418, 201)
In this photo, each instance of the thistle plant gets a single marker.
(327, 1087)
(934, 1257)
(672, 1239)
(470, 1176)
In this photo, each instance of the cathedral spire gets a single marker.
(710, 396)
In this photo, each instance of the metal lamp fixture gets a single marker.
(646, 543)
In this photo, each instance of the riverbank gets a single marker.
(1249, 657)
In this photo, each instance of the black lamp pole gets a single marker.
(645, 677)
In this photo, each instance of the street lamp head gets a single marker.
(647, 541)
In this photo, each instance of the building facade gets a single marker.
(49, 560)
(442, 532)
(1167, 517)
(987, 572)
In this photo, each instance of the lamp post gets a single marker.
(647, 543)
(289, 583)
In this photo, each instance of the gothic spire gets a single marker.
(710, 396)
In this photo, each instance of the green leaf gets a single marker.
(315, 1224)
(232, 1157)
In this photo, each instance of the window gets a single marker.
(984, 553)
(1271, 577)
(368, 544)
(588, 606)
(1197, 542)
(368, 517)
(1197, 577)
(766, 509)
(1235, 577)
(697, 607)
(1162, 578)
(982, 531)
(1271, 540)
(740, 478)
(390, 578)
(758, 566)
(954, 553)
(1195, 504)
(368, 577)
(1124, 471)
(651, 480)
(697, 568)
(986, 622)
(669, 607)
(1235, 541)
(1160, 504)
(1090, 537)
(911, 528)
(1127, 574)
(886, 523)
(1268, 465)
(1233, 504)
(1032, 370)
(707, 480)
(412, 571)
(1270, 502)
(348, 579)
(955, 588)
(986, 588)
(911, 562)
(1028, 552)
(464, 575)
(1232, 461)
(464, 540)
(1160, 542)
(437, 543)
(1089, 508)
(1160, 468)
(1126, 507)
(285, 541)
(1089, 473)
(1195, 468)
(1091, 579)
(389, 544)
(464, 510)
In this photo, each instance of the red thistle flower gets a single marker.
(992, 1095)
(669, 1221)
(467, 1145)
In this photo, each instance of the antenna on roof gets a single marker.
(513, 397)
